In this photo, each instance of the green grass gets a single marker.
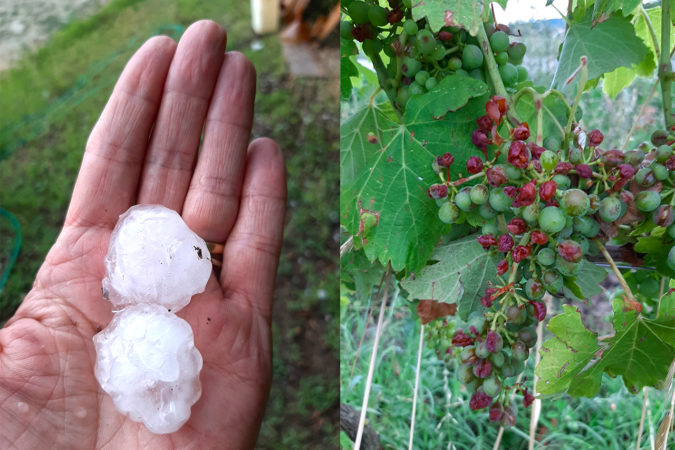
(443, 416)
(48, 106)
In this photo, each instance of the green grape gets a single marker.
(575, 156)
(647, 201)
(645, 177)
(528, 336)
(472, 57)
(519, 351)
(421, 77)
(566, 268)
(551, 219)
(548, 160)
(516, 53)
(372, 46)
(499, 41)
(497, 359)
(448, 213)
(502, 58)
(587, 226)
(481, 350)
(489, 227)
(610, 209)
(463, 200)
(415, 89)
(659, 137)
(479, 194)
(377, 15)
(345, 30)
(410, 27)
(462, 72)
(430, 83)
(454, 64)
(486, 212)
(492, 386)
(410, 66)
(534, 289)
(465, 374)
(563, 181)
(513, 173)
(663, 152)
(659, 170)
(499, 201)
(358, 11)
(551, 143)
(509, 74)
(530, 213)
(671, 231)
(546, 257)
(522, 76)
(477, 320)
(552, 280)
(402, 95)
(575, 202)
(516, 315)
(477, 74)
(671, 258)
(425, 42)
(634, 157)
(508, 370)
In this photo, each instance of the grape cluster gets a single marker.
(438, 336)
(418, 57)
(539, 208)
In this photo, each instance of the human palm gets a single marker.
(144, 150)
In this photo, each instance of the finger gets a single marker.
(175, 138)
(213, 197)
(108, 178)
(252, 250)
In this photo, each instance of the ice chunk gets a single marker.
(153, 257)
(147, 362)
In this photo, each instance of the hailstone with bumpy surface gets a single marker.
(153, 257)
(147, 362)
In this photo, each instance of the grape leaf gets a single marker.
(357, 269)
(608, 45)
(386, 169)
(460, 276)
(453, 13)
(603, 9)
(386, 173)
(622, 77)
(656, 253)
(587, 284)
(640, 351)
(452, 93)
(347, 70)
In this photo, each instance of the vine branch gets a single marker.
(665, 66)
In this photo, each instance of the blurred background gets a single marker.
(59, 60)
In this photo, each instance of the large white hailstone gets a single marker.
(147, 362)
(153, 257)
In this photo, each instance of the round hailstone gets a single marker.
(153, 257)
(147, 362)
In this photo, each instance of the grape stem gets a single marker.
(582, 83)
(492, 67)
(665, 66)
(616, 271)
(382, 76)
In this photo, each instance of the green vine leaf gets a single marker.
(587, 284)
(452, 13)
(608, 45)
(574, 359)
(451, 94)
(386, 170)
(385, 174)
(603, 9)
(460, 276)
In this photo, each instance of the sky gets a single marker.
(526, 10)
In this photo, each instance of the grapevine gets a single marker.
(517, 198)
